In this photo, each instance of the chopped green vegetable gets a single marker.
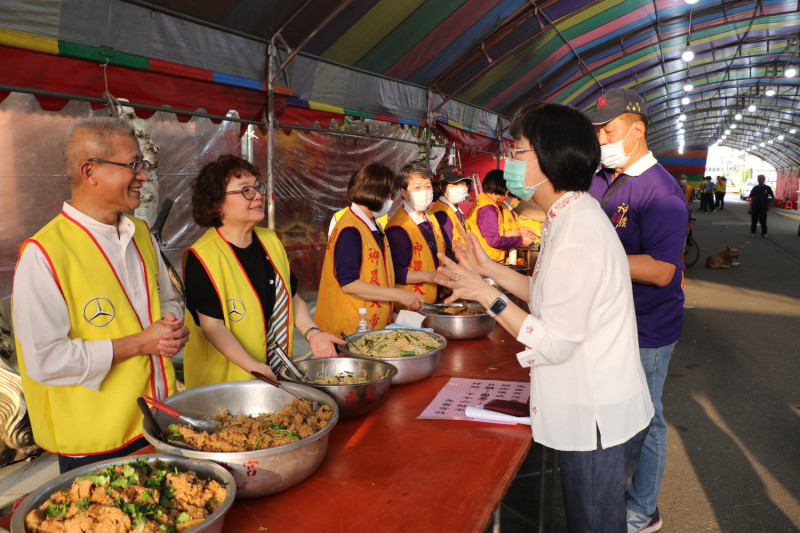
(83, 504)
(56, 510)
(183, 517)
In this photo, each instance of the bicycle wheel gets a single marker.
(691, 252)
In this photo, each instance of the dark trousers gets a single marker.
(720, 200)
(594, 485)
(707, 201)
(758, 215)
(67, 463)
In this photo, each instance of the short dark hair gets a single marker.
(415, 168)
(208, 190)
(564, 141)
(370, 186)
(495, 183)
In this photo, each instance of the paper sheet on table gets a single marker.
(409, 319)
(484, 415)
(459, 393)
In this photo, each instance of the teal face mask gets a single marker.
(514, 173)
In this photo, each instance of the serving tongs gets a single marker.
(290, 364)
(349, 342)
(209, 425)
(439, 308)
(152, 426)
(274, 383)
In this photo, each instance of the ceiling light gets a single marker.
(733, 126)
(781, 137)
(770, 92)
(682, 117)
(770, 141)
(762, 145)
(738, 116)
(753, 147)
(688, 87)
(681, 131)
(790, 72)
(691, 2)
(685, 100)
(680, 149)
(751, 108)
(688, 55)
(727, 132)
(792, 131)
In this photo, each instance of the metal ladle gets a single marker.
(207, 425)
(274, 383)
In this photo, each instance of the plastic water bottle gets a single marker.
(363, 325)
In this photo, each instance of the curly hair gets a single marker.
(208, 190)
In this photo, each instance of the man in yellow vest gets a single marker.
(414, 234)
(96, 318)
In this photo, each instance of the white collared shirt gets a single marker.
(443, 198)
(642, 164)
(415, 216)
(581, 334)
(41, 318)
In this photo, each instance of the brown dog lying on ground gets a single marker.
(725, 259)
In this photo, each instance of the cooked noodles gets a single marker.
(396, 343)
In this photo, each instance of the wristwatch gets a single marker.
(498, 306)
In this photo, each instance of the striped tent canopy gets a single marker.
(490, 55)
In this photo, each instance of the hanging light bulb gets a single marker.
(762, 145)
(682, 117)
(751, 108)
(790, 72)
(770, 92)
(690, 2)
(685, 100)
(727, 132)
(781, 137)
(792, 131)
(687, 54)
(688, 87)
(733, 126)
(738, 116)
(770, 141)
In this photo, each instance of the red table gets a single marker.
(388, 471)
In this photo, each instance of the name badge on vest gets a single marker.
(99, 311)
(235, 309)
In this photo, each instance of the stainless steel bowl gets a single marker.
(258, 472)
(203, 469)
(353, 400)
(460, 326)
(409, 369)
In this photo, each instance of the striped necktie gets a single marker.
(277, 332)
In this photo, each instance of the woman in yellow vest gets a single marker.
(414, 234)
(357, 271)
(451, 219)
(241, 297)
(486, 219)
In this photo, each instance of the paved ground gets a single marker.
(732, 398)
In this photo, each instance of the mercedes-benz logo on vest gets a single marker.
(99, 311)
(235, 309)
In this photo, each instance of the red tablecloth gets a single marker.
(389, 471)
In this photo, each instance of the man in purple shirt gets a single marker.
(650, 214)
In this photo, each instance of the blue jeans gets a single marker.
(643, 492)
(594, 484)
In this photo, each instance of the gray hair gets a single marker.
(89, 137)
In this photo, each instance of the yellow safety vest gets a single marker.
(495, 254)
(75, 420)
(439, 206)
(338, 311)
(381, 220)
(421, 256)
(510, 220)
(203, 364)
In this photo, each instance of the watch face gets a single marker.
(498, 306)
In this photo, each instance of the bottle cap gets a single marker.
(362, 310)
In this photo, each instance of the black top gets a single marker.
(201, 295)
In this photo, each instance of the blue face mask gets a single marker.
(514, 173)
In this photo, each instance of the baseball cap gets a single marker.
(453, 174)
(616, 102)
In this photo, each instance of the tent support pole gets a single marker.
(270, 137)
(428, 116)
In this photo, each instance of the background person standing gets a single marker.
(651, 217)
(761, 199)
(719, 192)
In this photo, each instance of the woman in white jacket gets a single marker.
(589, 397)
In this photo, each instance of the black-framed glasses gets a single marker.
(137, 166)
(249, 191)
(511, 152)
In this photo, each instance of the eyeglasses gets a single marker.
(137, 166)
(249, 191)
(512, 151)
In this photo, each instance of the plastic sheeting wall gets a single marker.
(311, 172)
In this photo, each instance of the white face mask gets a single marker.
(387, 204)
(420, 200)
(457, 194)
(613, 155)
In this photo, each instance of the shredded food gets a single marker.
(135, 496)
(345, 378)
(397, 343)
(239, 433)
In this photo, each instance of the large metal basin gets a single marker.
(356, 399)
(409, 369)
(460, 326)
(203, 469)
(259, 472)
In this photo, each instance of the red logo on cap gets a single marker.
(457, 171)
(601, 102)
